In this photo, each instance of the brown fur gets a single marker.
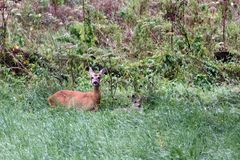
(79, 100)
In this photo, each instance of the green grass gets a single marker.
(182, 123)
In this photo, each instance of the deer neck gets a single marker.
(97, 94)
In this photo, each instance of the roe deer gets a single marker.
(136, 104)
(80, 100)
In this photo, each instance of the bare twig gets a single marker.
(3, 8)
(184, 33)
(224, 17)
(20, 64)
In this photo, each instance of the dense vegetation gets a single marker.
(182, 56)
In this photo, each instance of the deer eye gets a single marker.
(92, 77)
(98, 78)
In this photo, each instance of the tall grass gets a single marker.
(180, 123)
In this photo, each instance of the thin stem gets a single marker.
(224, 17)
(111, 80)
(4, 26)
(172, 36)
(83, 5)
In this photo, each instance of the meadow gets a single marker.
(182, 56)
(181, 123)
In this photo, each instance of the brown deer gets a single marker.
(80, 100)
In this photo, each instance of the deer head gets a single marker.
(96, 77)
(137, 101)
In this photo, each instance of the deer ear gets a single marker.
(133, 97)
(91, 71)
(103, 71)
(144, 98)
